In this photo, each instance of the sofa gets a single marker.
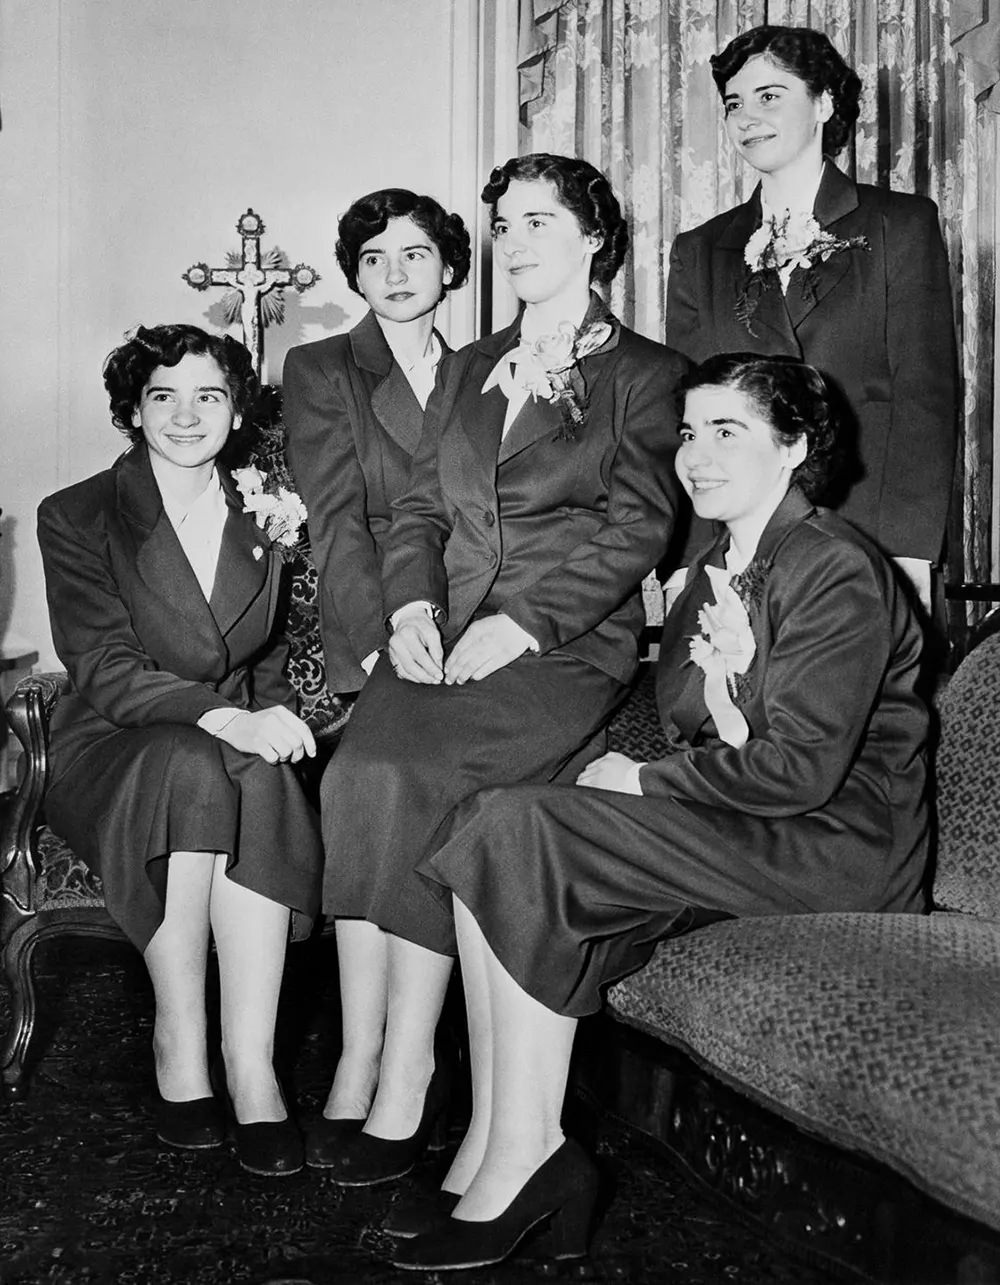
(836, 1077)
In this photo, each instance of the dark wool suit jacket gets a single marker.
(879, 323)
(352, 423)
(556, 534)
(829, 792)
(130, 622)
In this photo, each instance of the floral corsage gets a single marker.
(778, 247)
(278, 511)
(724, 650)
(548, 367)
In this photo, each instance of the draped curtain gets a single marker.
(627, 85)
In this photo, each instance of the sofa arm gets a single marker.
(28, 710)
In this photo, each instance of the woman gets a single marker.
(541, 494)
(794, 782)
(353, 409)
(851, 278)
(172, 752)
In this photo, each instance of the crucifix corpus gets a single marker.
(251, 277)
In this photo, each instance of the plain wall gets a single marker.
(134, 134)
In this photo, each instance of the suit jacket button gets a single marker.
(488, 517)
(493, 559)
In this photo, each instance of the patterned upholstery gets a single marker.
(880, 1033)
(967, 786)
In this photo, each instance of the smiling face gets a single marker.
(772, 118)
(730, 462)
(186, 413)
(401, 273)
(538, 243)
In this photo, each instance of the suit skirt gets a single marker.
(574, 887)
(412, 751)
(134, 795)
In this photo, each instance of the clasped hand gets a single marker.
(612, 771)
(276, 734)
(487, 645)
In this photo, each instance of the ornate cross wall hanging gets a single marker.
(251, 278)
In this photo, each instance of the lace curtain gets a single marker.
(627, 84)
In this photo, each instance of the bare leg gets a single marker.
(531, 1047)
(417, 981)
(363, 963)
(250, 935)
(475, 983)
(177, 958)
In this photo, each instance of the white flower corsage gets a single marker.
(547, 368)
(724, 649)
(278, 511)
(781, 246)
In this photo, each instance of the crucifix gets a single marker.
(251, 276)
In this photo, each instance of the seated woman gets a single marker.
(541, 493)
(354, 408)
(172, 752)
(795, 782)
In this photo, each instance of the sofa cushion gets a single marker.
(880, 1033)
(967, 793)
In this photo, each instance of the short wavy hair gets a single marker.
(128, 367)
(583, 190)
(369, 217)
(809, 55)
(794, 398)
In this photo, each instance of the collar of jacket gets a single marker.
(837, 196)
(793, 509)
(502, 341)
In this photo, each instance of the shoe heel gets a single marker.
(569, 1227)
(437, 1137)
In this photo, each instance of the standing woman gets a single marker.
(540, 496)
(793, 782)
(354, 405)
(850, 278)
(172, 752)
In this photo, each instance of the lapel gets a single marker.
(481, 415)
(836, 198)
(393, 401)
(771, 313)
(680, 683)
(159, 558)
(540, 419)
(239, 576)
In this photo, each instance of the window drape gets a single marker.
(627, 85)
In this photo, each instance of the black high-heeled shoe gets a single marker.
(271, 1148)
(427, 1211)
(365, 1160)
(196, 1125)
(561, 1193)
(325, 1140)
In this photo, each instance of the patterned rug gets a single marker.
(87, 1195)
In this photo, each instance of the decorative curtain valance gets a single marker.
(627, 84)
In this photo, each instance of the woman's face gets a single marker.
(772, 119)
(729, 461)
(186, 411)
(538, 244)
(401, 273)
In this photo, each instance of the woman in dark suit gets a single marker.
(353, 409)
(541, 494)
(794, 781)
(172, 752)
(862, 292)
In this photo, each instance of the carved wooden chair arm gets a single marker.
(28, 710)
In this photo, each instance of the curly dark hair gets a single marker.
(793, 397)
(369, 216)
(809, 55)
(583, 190)
(128, 367)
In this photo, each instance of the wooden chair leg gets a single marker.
(18, 955)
